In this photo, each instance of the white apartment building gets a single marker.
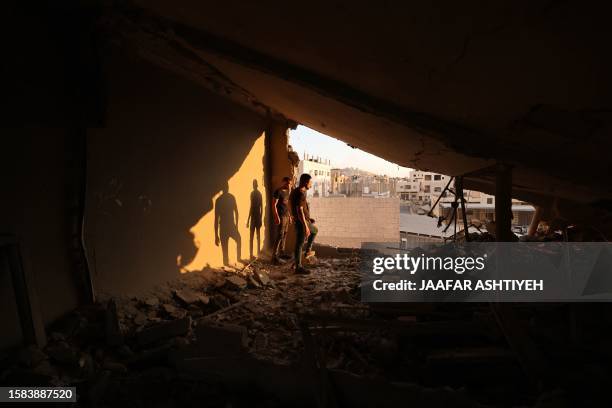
(422, 187)
(320, 170)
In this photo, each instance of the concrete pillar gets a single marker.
(503, 202)
(459, 191)
(535, 221)
(278, 166)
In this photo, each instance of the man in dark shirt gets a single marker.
(304, 225)
(282, 216)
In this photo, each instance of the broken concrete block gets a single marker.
(170, 309)
(253, 282)
(187, 296)
(164, 331)
(151, 301)
(140, 319)
(220, 338)
(237, 282)
(262, 276)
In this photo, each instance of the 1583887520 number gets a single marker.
(38, 394)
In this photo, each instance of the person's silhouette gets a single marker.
(255, 217)
(226, 223)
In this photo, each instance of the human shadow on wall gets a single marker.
(169, 141)
(226, 224)
(254, 221)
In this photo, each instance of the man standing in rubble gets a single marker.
(304, 225)
(282, 217)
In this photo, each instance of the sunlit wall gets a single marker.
(241, 187)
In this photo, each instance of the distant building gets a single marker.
(423, 189)
(320, 170)
(358, 183)
(339, 181)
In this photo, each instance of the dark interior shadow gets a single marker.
(255, 218)
(226, 224)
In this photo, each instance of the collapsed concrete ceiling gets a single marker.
(447, 86)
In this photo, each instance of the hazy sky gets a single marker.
(304, 139)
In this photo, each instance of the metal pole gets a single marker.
(503, 202)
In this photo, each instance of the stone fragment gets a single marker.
(152, 301)
(164, 331)
(237, 282)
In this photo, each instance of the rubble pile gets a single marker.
(129, 339)
(125, 350)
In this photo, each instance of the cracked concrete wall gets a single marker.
(157, 167)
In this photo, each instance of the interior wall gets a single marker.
(34, 174)
(156, 170)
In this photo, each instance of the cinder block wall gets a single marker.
(347, 222)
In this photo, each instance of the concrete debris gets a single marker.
(140, 318)
(245, 328)
(189, 297)
(254, 282)
(170, 309)
(151, 301)
(164, 331)
(237, 282)
(262, 276)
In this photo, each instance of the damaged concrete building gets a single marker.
(133, 130)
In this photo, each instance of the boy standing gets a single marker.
(282, 216)
(305, 229)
